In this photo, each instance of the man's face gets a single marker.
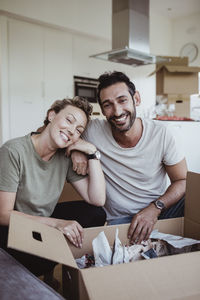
(118, 106)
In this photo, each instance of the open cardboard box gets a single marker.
(176, 77)
(170, 277)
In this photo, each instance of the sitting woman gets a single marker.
(33, 170)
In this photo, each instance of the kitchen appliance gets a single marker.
(130, 34)
(86, 87)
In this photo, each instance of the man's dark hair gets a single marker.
(110, 78)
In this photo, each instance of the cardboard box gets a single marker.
(172, 79)
(181, 103)
(176, 77)
(170, 277)
(174, 60)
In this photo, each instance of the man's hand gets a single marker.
(142, 224)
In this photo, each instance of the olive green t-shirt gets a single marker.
(37, 183)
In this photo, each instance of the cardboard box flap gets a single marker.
(172, 277)
(39, 239)
(178, 69)
(156, 70)
(182, 69)
(192, 206)
(174, 60)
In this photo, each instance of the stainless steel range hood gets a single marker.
(130, 34)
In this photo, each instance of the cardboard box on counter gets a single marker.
(176, 77)
(170, 277)
(181, 103)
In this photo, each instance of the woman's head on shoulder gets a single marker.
(66, 120)
(79, 102)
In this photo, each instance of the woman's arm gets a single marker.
(91, 188)
(71, 229)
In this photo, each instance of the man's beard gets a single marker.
(128, 127)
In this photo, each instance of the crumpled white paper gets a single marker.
(101, 250)
(81, 262)
(103, 253)
(120, 252)
(174, 240)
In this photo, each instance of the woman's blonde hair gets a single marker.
(58, 105)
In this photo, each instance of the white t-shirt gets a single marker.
(134, 176)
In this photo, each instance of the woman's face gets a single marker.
(67, 126)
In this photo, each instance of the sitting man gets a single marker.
(137, 155)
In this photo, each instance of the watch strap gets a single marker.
(95, 155)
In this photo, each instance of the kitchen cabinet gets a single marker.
(25, 77)
(37, 71)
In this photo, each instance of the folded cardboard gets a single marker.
(181, 104)
(176, 79)
(172, 277)
(173, 60)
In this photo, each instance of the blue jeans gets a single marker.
(175, 211)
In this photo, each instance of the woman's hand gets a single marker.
(72, 230)
(80, 162)
(81, 145)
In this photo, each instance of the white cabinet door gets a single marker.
(25, 77)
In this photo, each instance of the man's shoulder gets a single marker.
(97, 122)
(97, 125)
(153, 125)
(96, 130)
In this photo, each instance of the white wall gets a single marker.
(186, 30)
(70, 32)
(86, 16)
(160, 35)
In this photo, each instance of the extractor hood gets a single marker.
(130, 34)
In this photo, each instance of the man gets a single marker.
(136, 155)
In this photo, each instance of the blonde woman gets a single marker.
(33, 170)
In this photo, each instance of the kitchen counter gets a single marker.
(188, 135)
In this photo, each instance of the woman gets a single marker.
(33, 170)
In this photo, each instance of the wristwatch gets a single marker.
(95, 155)
(159, 204)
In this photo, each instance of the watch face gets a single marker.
(98, 155)
(95, 155)
(160, 204)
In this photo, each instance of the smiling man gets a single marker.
(136, 155)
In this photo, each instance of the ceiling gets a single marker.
(175, 8)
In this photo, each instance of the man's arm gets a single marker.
(143, 222)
